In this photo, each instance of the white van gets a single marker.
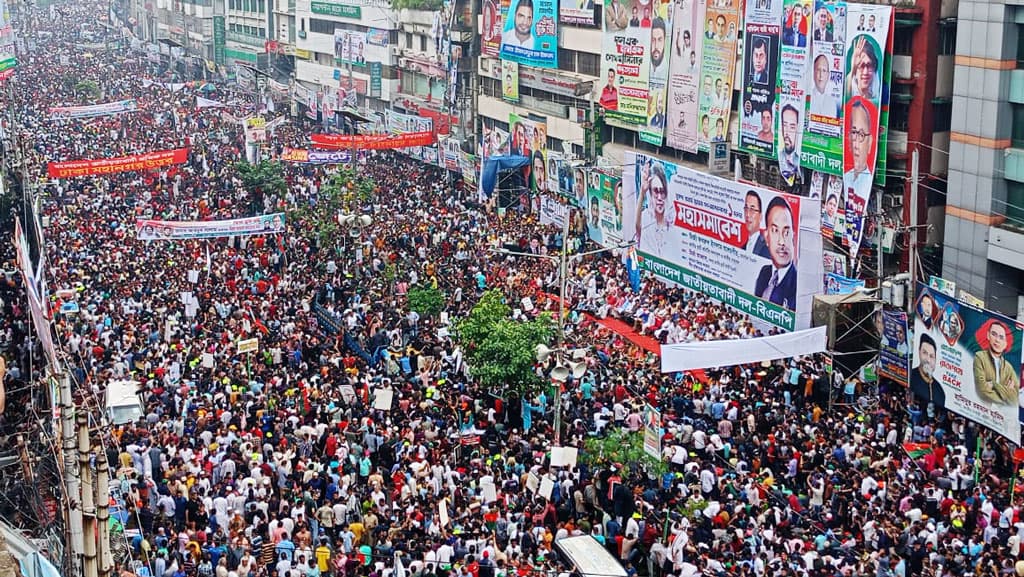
(123, 404)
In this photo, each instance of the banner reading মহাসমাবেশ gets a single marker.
(684, 74)
(760, 77)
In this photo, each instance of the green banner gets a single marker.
(219, 40)
(339, 10)
(376, 72)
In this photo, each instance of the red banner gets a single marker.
(374, 141)
(145, 161)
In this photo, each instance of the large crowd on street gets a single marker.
(279, 464)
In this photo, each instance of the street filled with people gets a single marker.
(284, 463)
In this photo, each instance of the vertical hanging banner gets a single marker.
(829, 188)
(793, 59)
(509, 81)
(530, 32)
(883, 115)
(529, 138)
(652, 432)
(604, 211)
(760, 77)
(967, 360)
(626, 65)
(490, 42)
(684, 74)
(894, 352)
(717, 75)
(653, 129)
(867, 28)
(822, 147)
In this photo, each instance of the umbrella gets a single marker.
(208, 87)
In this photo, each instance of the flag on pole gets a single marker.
(917, 450)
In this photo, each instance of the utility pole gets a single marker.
(914, 177)
(89, 565)
(72, 480)
(104, 554)
(563, 259)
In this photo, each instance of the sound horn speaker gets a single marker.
(365, 220)
(578, 370)
(543, 352)
(560, 373)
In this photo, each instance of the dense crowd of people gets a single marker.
(285, 464)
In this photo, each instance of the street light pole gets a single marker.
(563, 258)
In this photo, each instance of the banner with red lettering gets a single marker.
(375, 141)
(147, 161)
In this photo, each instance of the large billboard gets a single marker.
(684, 74)
(739, 243)
(652, 130)
(349, 46)
(967, 360)
(626, 64)
(867, 28)
(822, 149)
(894, 350)
(576, 12)
(793, 60)
(490, 32)
(719, 63)
(760, 77)
(604, 209)
(529, 138)
(530, 32)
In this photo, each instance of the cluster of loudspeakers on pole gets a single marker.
(561, 371)
(355, 223)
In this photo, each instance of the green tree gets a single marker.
(262, 179)
(428, 5)
(427, 301)
(480, 322)
(347, 191)
(620, 446)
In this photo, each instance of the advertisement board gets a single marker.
(894, 350)
(822, 148)
(530, 32)
(761, 30)
(490, 33)
(867, 28)
(576, 12)
(793, 62)
(604, 209)
(530, 138)
(717, 74)
(967, 360)
(684, 74)
(739, 243)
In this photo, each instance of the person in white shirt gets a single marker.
(521, 34)
(822, 102)
(857, 181)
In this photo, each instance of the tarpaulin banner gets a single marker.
(604, 210)
(652, 432)
(183, 230)
(719, 64)
(147, 161)
(652, 131)
(793, 61)
(967, 360)
(304, 156)
(752, 248)
(530, 138)
(837, 284)
(490, 43)
(530, 32)
(760, 77)
(552, 211)
(208, 103)
(822, 149)
(894, 351)
(106, 109)
(684, 75)
(400, 123)
(727, 353)
(829, 188)
(576, 12)
(374, 141)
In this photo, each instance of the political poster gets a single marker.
(867, 28)
(374, 141)
(738, 243)
(894, 350)
(967, 360)
(530, 32)
(304, 156)
(829, 188)
(555, 162)
(134, 162)
(883, 116)
(793, 60)
(833, 262)
(760, 76)
(837, 284)
(822, 147)
(399, 123)
(652, 131)
(530, 138)
(652, 432)
(495, 142)
(552, 211)
(349, 46)
(572, 182)
(604, 209)
(490, 33)
(509, 81)
(183, 230)
(684, 74)
(626, 63)
(576, 12)
(94, 110)
(721, 26)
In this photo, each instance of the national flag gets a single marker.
(917, 450)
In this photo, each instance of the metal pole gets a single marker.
(563, 258)
(104, 553)
(914, 160)
(72, 480)
(88, 504)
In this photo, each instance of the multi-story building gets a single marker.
(983, 246)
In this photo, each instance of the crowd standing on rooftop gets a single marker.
(278, 465)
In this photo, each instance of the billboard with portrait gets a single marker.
(529, 138)
(349, 46)
(867, 28)
(398, 123)
(509, 81)
(625, 67)
(760, 76)
(739, 243)
(604, 209)
(822, 148)
(576, 12)
(793, 61)
(967, 360)
(894, 350)
(530, 32)
(684, 74)
(829, 188)
(652, 131)
(490, 31)
(718, 67)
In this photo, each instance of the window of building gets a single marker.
(408, 41)
(947, 39)
(1017, 130)
(942, 116)
(423, 43)
(589, 64)
(899, 112)
(567, 60)
(903, 44)
(322, 26)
